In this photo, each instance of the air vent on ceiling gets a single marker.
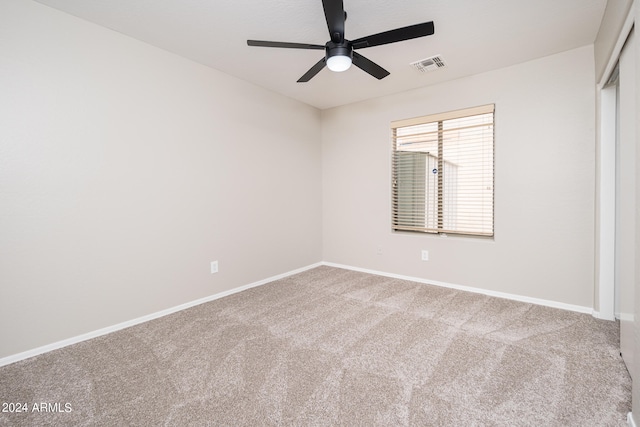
(429, 64)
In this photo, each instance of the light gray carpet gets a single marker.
(331, 347)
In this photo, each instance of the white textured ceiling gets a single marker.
(472, 36)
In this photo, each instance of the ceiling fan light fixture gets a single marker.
(339, 56)
(339, 63)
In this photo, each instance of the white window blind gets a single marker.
(442, 167)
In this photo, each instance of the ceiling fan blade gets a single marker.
(263, 43)
(397, 35)
(334, 13)
(313, 71)
(369, 66)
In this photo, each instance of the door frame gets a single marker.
(605, 296)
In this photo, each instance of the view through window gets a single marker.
(442, 167)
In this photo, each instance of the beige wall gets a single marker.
(125, 170)
(544, 183)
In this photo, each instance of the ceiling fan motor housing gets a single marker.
(338, 49)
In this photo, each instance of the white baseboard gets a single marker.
(599, 315)
(54, 346)
(630, 420)
(84, 337)
(536, 301)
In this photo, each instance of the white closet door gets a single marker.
(625, 269)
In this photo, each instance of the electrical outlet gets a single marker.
(214, 267)
(425, 255)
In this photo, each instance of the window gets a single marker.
(442, 167)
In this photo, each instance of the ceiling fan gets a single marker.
(340, 52)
